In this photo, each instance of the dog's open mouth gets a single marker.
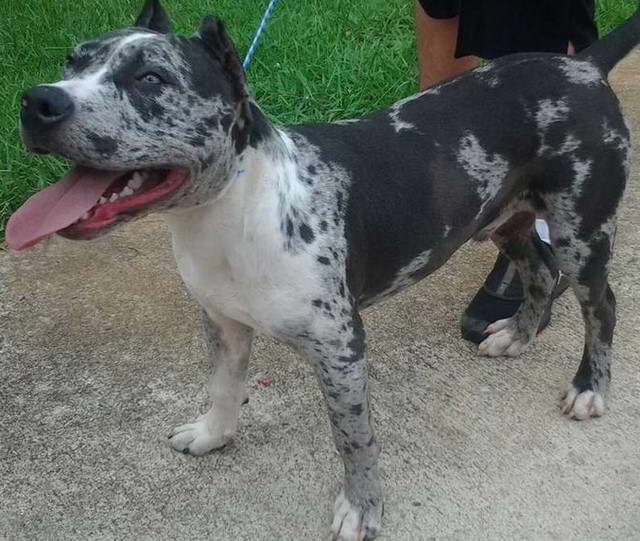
(87, 200)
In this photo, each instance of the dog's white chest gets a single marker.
(240, 274)
(215, 282)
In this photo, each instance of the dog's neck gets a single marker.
(261, 183)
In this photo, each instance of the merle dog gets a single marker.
(292, 231)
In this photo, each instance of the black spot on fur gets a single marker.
(605, 313)
(357, 344)
(289, 228)
(80, 62)
(225, 122)
(323, 225)
(323, 260)
(317, 302)
(260, 127)
(156, 110)
(312, 169)
(197, 141)
(536, 291)
(104, 145)
(306, 233)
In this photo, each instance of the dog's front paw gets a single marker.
(353, 522)
(581, 405)
(198, 438)
(503, 339)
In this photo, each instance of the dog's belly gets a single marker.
(416, 269)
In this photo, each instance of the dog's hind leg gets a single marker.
(585, 259)
(537, 271)
(582, 223)
(229, 345)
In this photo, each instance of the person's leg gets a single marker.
(436, 39)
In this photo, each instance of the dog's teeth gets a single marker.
(114, 196)
(136, 181)
(102, 201)
(126, 191)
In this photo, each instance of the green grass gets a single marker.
(320, 60)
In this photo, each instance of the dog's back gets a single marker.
(437, 168)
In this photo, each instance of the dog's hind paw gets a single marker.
(197, 438)
(581, 405)
(353, 523)
(503, 339)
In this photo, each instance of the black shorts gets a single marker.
(492, 28)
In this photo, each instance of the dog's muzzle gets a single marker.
(44, 107)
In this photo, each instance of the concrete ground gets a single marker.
(100, 355)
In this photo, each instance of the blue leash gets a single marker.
(256, 39)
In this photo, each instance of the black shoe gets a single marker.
(500, 297)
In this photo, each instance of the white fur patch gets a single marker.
(488, 74)
(397, 123)
(231, 252)
(82, 87)
(404, 278)
(550, 111)
(582, 169)
(348, 121)
(488, 170)
(230, 255)
(580, 72)
(615, 138)
(397, 107)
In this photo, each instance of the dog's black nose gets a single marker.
(44, 107)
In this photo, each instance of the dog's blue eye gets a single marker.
(150, 78)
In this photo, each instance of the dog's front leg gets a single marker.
(229, 345)
(338, 357)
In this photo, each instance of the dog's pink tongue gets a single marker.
(57, 206)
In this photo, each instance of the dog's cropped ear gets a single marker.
(215, 38)
(154, 17)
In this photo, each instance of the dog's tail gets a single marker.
(608, 51)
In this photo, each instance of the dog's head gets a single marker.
(149, 120)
